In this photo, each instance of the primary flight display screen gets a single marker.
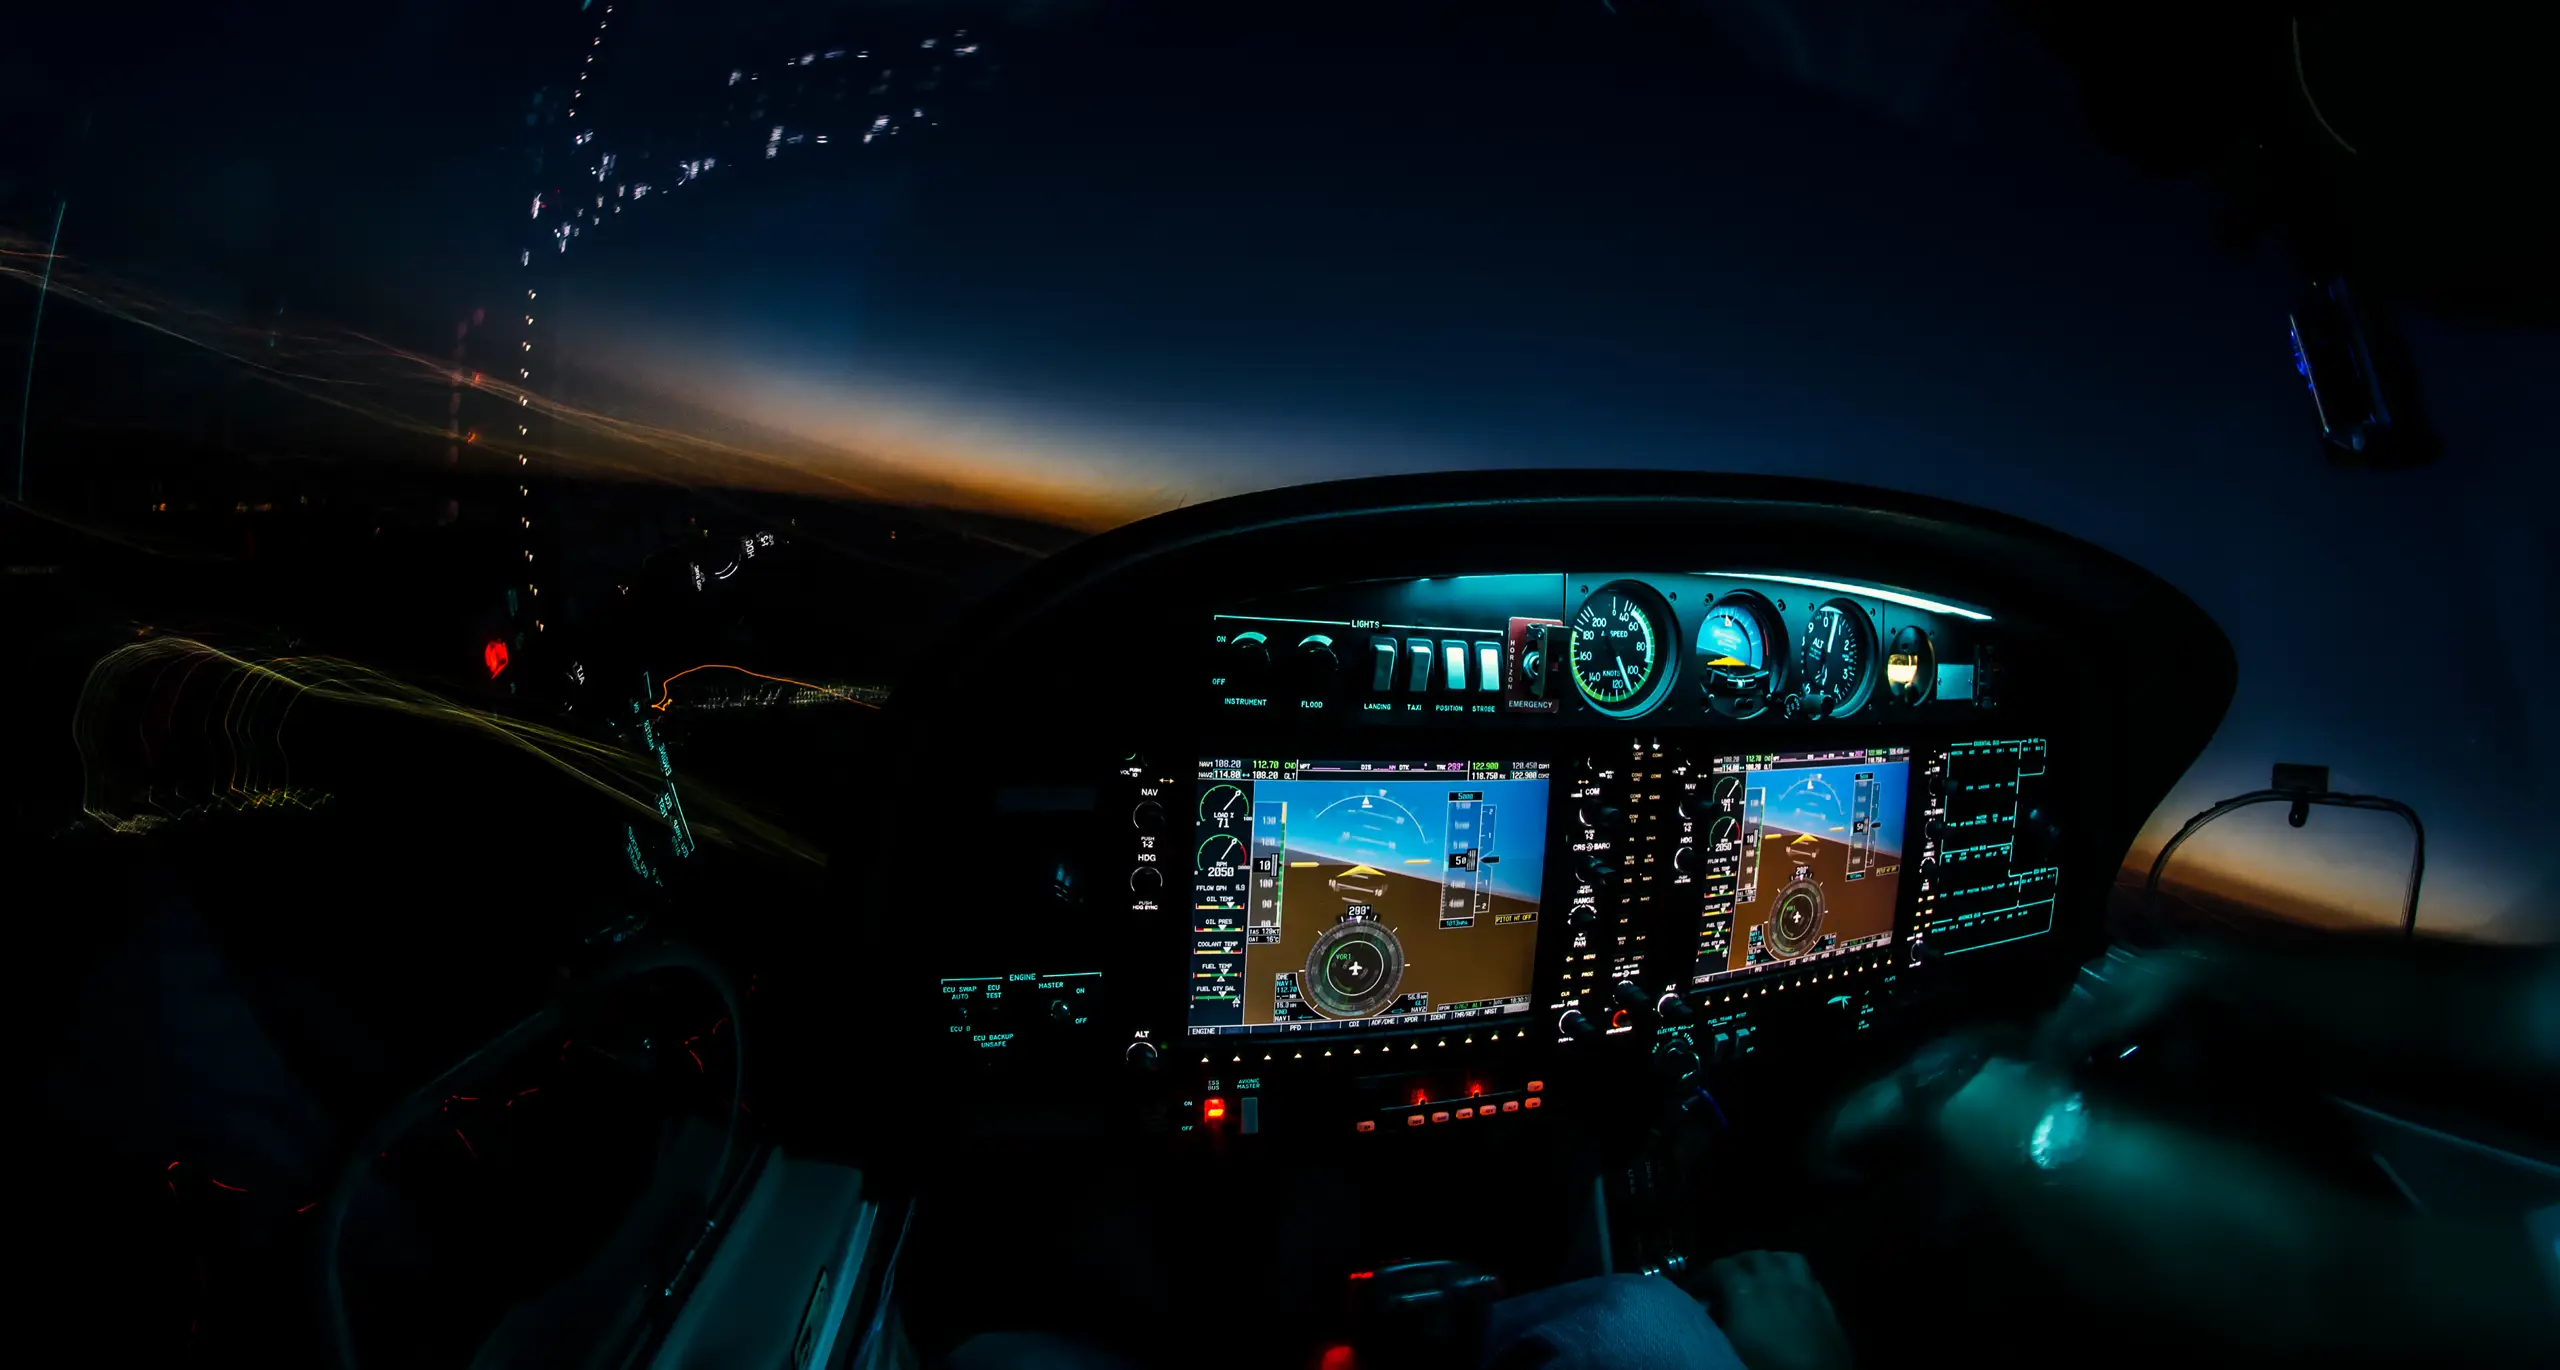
(1803, 857)
(1335, 894)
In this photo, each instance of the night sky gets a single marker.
(1164, 259)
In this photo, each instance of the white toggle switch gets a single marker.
(1488, 665)
(1453, 665)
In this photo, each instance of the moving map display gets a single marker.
(1330, 894)
(1802, 855)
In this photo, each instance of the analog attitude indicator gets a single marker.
(1741, 655)
(1622, 664)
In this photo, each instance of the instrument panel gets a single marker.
(1704, 649)
(1333, 929)
(1332, 857)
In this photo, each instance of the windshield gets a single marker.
(430, 338)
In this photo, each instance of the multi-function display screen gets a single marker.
(1802, 857)
(1332, 894)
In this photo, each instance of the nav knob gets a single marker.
(1148, 816)
(1141, 1056)
(1573, 1024)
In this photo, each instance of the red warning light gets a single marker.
(495, 654)
(1421, 1097)
(1337, 1358)
(1474, 1089)
(1214, 1109)
(1364, 1274)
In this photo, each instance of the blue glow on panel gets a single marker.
(1870, 591)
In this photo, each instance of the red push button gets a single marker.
(1413, 1120)
(1466, 1113)
(1531, 1102)
(1441, 1116)
(1365, 1125)
(1535, 1085)
(1510, 1105)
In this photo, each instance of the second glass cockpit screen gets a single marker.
(1332, 894)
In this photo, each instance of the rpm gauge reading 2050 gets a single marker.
(1622, 657)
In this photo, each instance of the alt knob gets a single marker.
(1575, 1024)
(1148, 816)
(1141, 1056)
(1673, 1008)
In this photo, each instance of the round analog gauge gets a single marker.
(1726, 791)
(1910, 665)
(1741, 655)
(1835, 669)
(1622, 661)
(1223, 805)
(1221, 852)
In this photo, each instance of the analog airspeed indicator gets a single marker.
(1623, 660)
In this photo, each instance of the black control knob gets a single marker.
(1148, 816)
(1315, 666)
(1061, 1011)
(1684, 860)
(1673, 1008)
(1141, 1056)
(1596, 869)
(1629, 994)
(1248, 661)
(1698, 805)
(1605, 817)
(1576, 1024)
(1145, 880)
(1583, 916)
(1675, 1062)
